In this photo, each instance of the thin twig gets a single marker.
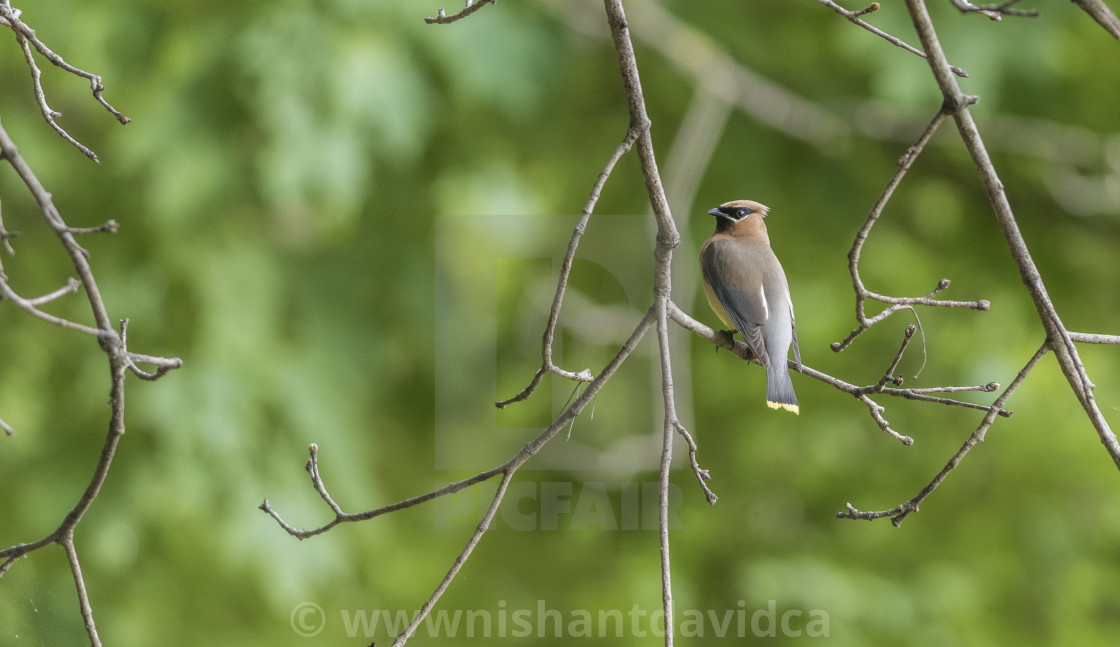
(702, 475)
(861, 393)
(5, 238)
(899, 513)
(668, 429)
(863, 322)
(528, 451)
(112, 343)
(708, 65)
(547, 365)
(876, 410)
(506, 469)
(1102, 14)
(1093, 338)
(1060, 341)
(854, 17)
(28, 306)
(443, 19)
(67, 543)
(657, 316)
(109, 227)
(985, 388)
(994, 11)
(9, 17)
(888, 375)
(667, 239)
(71, 287)
(163, 364)
(345, 517)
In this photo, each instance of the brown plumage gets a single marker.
(746, 287)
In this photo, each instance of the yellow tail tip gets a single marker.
(782, 405)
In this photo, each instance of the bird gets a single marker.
(746, 287)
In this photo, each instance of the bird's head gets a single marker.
(737, 210)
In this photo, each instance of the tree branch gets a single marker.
(899, 513)
(443, 19)
(113, 344)
(994, 11)
(9, 17)
(1102, 14)
(1059, 338)
(861, 393)
(547, 366)
(663, 309)
(667, 239)
(854, 17)
(1090, 338)
(506, 469)
(864, 322)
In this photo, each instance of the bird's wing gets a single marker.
(741, 296)
(793, 325)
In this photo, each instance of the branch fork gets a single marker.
(663, 309)
(114, 344)
(25, 35)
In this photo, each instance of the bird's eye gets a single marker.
(741, 213)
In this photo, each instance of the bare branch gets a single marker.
(720, 338)
(986, 388)
(163, 364)
(71, 287)
(716, 74)
(28, 305)
(670, 425)
(109, 227)
(702, 475)
(443, 19)
(461, 559)
(507, 471)
(5, 237)
(876, 411)
(112, 343)
(888, 375)
(1090, 338)
(861, 393)
(547, 366)
(64, 534)
(709, 67)
(862, 293)
(899, 513)
(9, 17)
(667, 239)
(1059, 338)
(78, 256)
(994, 11)
(1102, 14)
(80, 584)
(312, 468)
(854, 17)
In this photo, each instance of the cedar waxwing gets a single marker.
(747, 289)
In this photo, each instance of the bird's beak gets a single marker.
(715, 212)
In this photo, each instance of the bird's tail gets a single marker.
(779, 387)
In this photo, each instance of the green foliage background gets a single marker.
(342, 218)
